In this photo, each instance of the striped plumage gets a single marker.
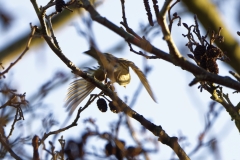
(80, 88)
(116, 69)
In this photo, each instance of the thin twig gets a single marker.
(74, 123)
(17, 117)
(133, 134)
(169, 15)
(161, 17)
(8, 102)
(4, 142)
(118, 125)
(125, 24)
(51, 29)
(208, 125)
(149, 13)
(33, 29)
(35, 145)
(141, 53)
(237, 76)
(50, 4)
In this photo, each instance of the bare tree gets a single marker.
(205, 48)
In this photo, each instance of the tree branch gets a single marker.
(156, 130)
(3, 141)
(208, 15)
(182, 62)
(33, 28)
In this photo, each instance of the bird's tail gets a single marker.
(100, 57)
(93, 53)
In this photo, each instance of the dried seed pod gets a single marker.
(238, 33)
(203, 61)
(113, 108)
(214, 52)
(191, 56)
(148, 10)
(109, 149)
(155, 6)
(185, 25)
(134, 151)
(59, 5)
(212, 66)
(119, 154)
(198, 52)
(102, 105)
(121, 144)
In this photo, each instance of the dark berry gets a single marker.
(102, 105)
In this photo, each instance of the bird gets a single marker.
(111, 67)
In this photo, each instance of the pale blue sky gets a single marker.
(170, 84)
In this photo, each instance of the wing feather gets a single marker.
(140, 75)
(79, 90)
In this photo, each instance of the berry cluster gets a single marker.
(102, 106)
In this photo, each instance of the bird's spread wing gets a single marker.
(140, 75)
(77, 92)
